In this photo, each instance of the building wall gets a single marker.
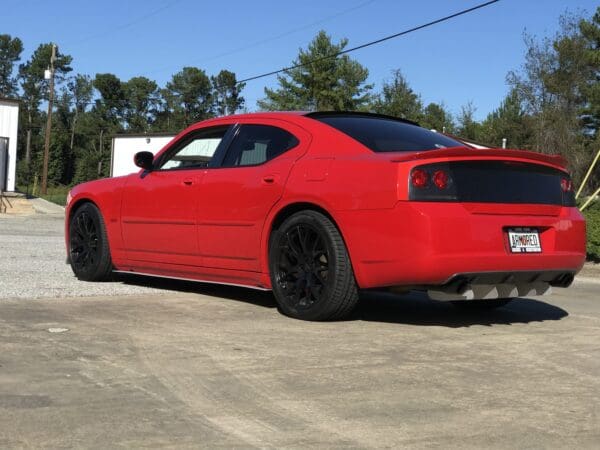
(125, 147)
(9, 123)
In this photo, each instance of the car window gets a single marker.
(256, 144)
(195, 151)
(382, 134)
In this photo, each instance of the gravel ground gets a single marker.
(33, 262)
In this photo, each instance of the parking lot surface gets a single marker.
(142, 362)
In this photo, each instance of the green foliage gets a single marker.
(10, 53)
(558, 88)
(592, 217)
(56, 194)
(189, 95)
(88, 112)
(553, 105)
(112, 104)
(32, 72)
(398, 99)
(141, 99)
(321, 82)
(435, 116)
(508, 122)
(24, 173)
(226, 93)
(468, 127)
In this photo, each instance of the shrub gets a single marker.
(592, 216)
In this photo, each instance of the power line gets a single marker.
(124, 25)
(359, 47)
(368, 44)
(275, 37)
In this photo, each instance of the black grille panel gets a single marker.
(495, 182)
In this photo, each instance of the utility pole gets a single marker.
(44, 188)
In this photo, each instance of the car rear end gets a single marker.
(502, 226)
(469, 224)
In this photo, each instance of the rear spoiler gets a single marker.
(458, 152)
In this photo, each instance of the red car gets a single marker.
(315, 206)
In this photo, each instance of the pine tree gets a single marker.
(322, 81)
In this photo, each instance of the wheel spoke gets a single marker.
(302, 266)
(84, 242)
(292, 246)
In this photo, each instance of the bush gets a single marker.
(592, 216)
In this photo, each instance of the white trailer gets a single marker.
(125, 146)
(9, 127)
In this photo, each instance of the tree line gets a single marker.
(88, 111)
(553, 103)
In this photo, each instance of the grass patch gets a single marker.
(54, 194)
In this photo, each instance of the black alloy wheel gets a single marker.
(88, 246)
(310, 269)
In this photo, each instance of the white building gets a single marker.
(125, 146)
(9, 125)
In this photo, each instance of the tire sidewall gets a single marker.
(97, 271)
(322, 308)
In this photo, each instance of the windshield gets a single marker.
(382, 134)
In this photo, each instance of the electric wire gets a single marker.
(359, 47)
(371, 43)
(275, 37)
(124, 25)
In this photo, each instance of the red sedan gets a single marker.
(315, 206)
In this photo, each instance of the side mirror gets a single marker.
(144, 160)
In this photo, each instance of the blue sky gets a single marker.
(464, 60)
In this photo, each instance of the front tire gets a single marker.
(310, 269)
(89, 253)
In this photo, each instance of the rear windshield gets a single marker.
(381, 134)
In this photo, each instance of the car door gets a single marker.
(237, 196)
(159, 207)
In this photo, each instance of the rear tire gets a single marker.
(310, 269)
(89, 253)
(482, 305)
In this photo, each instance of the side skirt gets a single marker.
(198, 280)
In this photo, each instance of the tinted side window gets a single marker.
(256, 144)
(196, 150)
(388, 135)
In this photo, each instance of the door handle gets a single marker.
(270, 179)
(188, 182)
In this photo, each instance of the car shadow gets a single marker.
(240, 294)
(414, 308)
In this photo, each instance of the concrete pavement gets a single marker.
(144, 362)
(207, 367)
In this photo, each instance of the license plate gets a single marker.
(524, 240)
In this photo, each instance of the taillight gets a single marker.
(440, 179)
(568, 192)
(419, 178)
(566, 185)
(431, 182)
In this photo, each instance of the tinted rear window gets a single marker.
(387, 135)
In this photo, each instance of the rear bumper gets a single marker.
(429, 244)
